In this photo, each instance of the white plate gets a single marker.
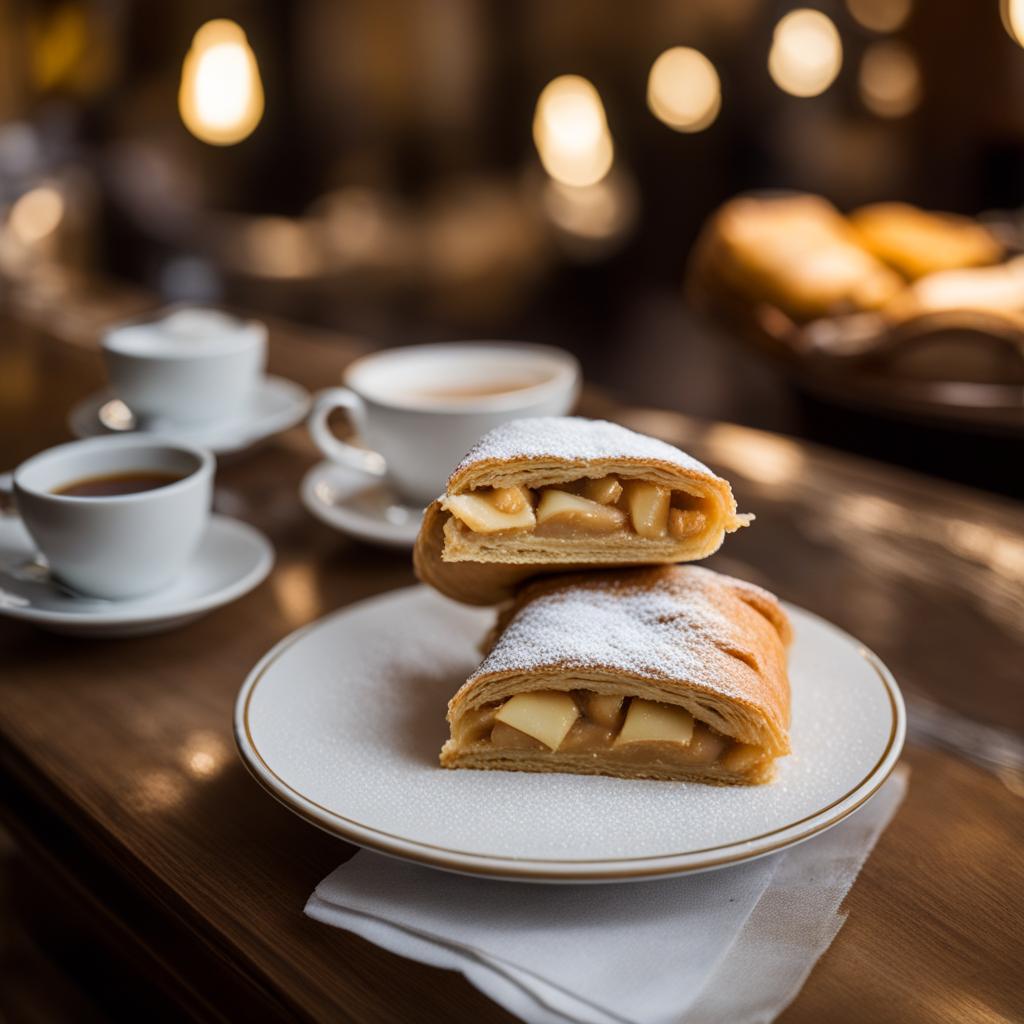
(277, 405)
(232, 559)
(360, 505)
(343, 720)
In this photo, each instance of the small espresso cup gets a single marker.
(419, 409)
(116, 546)
(187, 366)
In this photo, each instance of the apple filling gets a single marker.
(582, 507)
(629, 729)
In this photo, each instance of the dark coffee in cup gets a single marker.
(113, 484)
(116, 517)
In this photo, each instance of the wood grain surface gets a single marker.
(121, 783)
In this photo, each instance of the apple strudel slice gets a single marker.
(541, 495)
(673, 672)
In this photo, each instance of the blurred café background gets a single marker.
(408, 171)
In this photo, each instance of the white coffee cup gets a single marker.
(124, 545)
(188, 365)
(419, 409)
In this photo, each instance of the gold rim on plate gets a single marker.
(524, 867)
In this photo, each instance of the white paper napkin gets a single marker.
(730, 946)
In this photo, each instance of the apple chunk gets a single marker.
(685, 523)
(511, 499)
(605, 709)
(647, 721)
(546, 715)
(606, 491)
(479, 513)
(564, 509)
(648, 508)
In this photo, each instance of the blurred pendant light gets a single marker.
(889, 80)
(571, 132)
(36, 214)
(683, 90)
(880, 15)
(806, 53)
(1012, 12)
(221, 96)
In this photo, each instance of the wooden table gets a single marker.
(124, 792)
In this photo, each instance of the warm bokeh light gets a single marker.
(1012, 12)
(221, 95)
(764, 458)
(156, 792)
(36, 214)
(60, 45)
(806, 53)
(890, 82)
(281, 247)
(363, 227)
(296, 590)
(683, 90)
(571, 132)
(880, 15)
(204, 754)
(598, 213)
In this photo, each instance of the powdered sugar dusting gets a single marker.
(665, 630)
(572, 437)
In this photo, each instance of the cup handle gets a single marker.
(324, 403)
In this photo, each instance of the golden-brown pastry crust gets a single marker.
(796, 253)
(917, 242)
(679, 635)
(479, 583)
(487, 568)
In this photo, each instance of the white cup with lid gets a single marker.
(188, 365)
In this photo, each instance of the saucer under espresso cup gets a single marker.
(419, 409)
(187, 365)
(116, 517)
(232, 559)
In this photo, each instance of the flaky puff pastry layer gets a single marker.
(487, 568)
(680, 635)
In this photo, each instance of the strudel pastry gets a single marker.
(673, 672)
(541, 495)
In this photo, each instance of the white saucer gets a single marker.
(361, 505)
(277, 405)
(343, 720)
(232, 559)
